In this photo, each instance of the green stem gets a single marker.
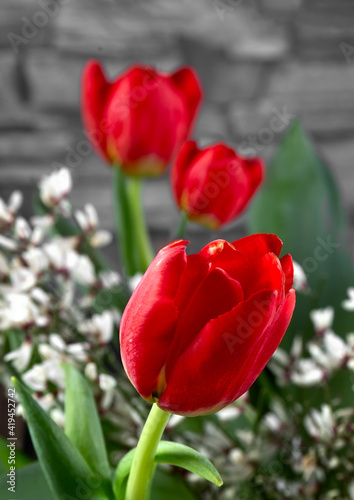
(142, 240)
(141, 473)
(133, 239)
(181, 226)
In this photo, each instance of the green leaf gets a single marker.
(165, 485)
(82, 423)
(187, 458)
(21, 458)
(300, 203)
(168, 453)
(30, 484)
(66, 471)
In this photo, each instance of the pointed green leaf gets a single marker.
(171, 453)
(187, 458)
(66, 471)
(82, 423)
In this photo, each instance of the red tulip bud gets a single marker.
(139, 120)
(214, 185)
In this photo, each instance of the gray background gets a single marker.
(255, 58)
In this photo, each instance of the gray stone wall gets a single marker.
(256, 58)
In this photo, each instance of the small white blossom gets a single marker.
(22, 229)
(21, 357)
(322, 319)
(36, 378)
(100, 326)
(107, 385)
(300, 280)
(134, 281)
(58, 416)
(306, 373)
(55, 187)
(7, 243)
(22, 279)
(91, 371)
(36, 259)
(4, 265)
(348, 304)
(320, 424)
(81, 268)
(333, 353)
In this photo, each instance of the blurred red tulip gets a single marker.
(214, 185)
(140, 120)
(199, 329)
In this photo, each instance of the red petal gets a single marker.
(148, 322)
(216, 294)
(189, 85)
(207, 375)
(255, 246)
(184, 160)
(288, 269)
(256, 171)
(264, 274)
(271, 340)
(94, 96)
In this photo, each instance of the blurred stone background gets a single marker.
(256, 58)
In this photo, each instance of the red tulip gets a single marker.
(199, 329)
(139, 120)
(214, 185)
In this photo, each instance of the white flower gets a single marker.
(110, 279)
(320, 424)
(21, 357)
(55, 187)
(20, 311)
(78, 351)
(42, 221)
(88, 222)
(333, 353)
(322, 319)
(58, 252)
(134, 281)
(91, 371)
(22, 279)
(229, 413)
(7, 243)
(100, 238)
(306, 373)
(36, 259)
(36, 378)
(22, 229)
(46, 402)
(81, 268)
(174, 421)
(9, 211)
(57, 342)
(40, 296)
(100, 326)
(300, 280)
(348, 304)
(58, 416)
(107, 385)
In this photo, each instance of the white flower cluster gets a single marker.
(48, 291)
(328, 353)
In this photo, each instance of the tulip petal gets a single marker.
(216, 358)
(188, 153)
(255, 246)
(256, 171)
(216, 294)
(271, 340)
(154, 125)
(264, 274)
(288, 269)
(187, 82)
(94, 96)
(148, 321)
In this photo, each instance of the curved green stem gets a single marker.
(133, 239)
(141, 473)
